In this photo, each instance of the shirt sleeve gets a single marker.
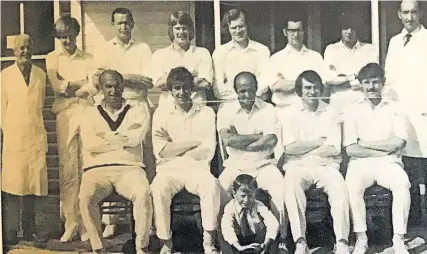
(157, 69)
(271, 124)
(271, 223)
(209, 131)
(288, 132)
(59, 86)
(227, 223)
(225, 117)
(390, 63)
(333, 137)
(269, 73)
(218, 59)
(4, 97)
(350, 129)
(159, 122)
(264, 55)
(145, 60)
(401, 126)
(205, 68)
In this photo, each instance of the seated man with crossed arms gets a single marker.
(112, 134)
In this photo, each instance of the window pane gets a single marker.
(38, 16)
(9, 24)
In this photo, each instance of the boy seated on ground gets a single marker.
(247, 224)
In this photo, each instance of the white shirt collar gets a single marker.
(322, 107)
(289, 49)
(257, 106)
(251, 45)
(178, 110)
(115, 42)
(191, 48)
(416, 30)
(77, 53)
(125, 103)
(356, 46)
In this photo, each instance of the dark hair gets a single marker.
(229, 16)
(294, 18)
(182, 75)
(121, 11)
(371, 70)
(244, 74)
(182, 18)
(310, 76)
(113, 73)
(65, 24)
(248, 183)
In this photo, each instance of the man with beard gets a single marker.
(312, 146)
(405, 67)
(68, 73)
(184, 144)
(239, 54)
(375, 132)
(111, 137)
(182, 53)
(24, 171)
(249, 130)
(133, 60)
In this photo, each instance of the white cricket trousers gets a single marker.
(388, 175)
(70, 166)
(268, 178)
(129, 182)
(298, 179)
(175, 175)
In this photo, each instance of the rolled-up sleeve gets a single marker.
(157, 69)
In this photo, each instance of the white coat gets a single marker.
(24, 136)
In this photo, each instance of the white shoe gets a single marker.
(84, 237)
(69, 234)
(399, 246)
(341, 248)
(302, 248)
(361, 245)
(109, 231)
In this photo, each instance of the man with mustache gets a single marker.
(344, 59)
(184, 145)
(249, 130)
(182, 53)
(133, 60)
(405, 67)
(312, 146)
(24, 172)
(68, 73)
(112, 135)
(375, 132)
(239, 54)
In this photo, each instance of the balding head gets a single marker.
(246, 85)
(112, 85)
(410, 14)
(22, 48)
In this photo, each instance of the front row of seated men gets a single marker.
(184, 143)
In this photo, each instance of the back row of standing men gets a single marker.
(249, 129)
